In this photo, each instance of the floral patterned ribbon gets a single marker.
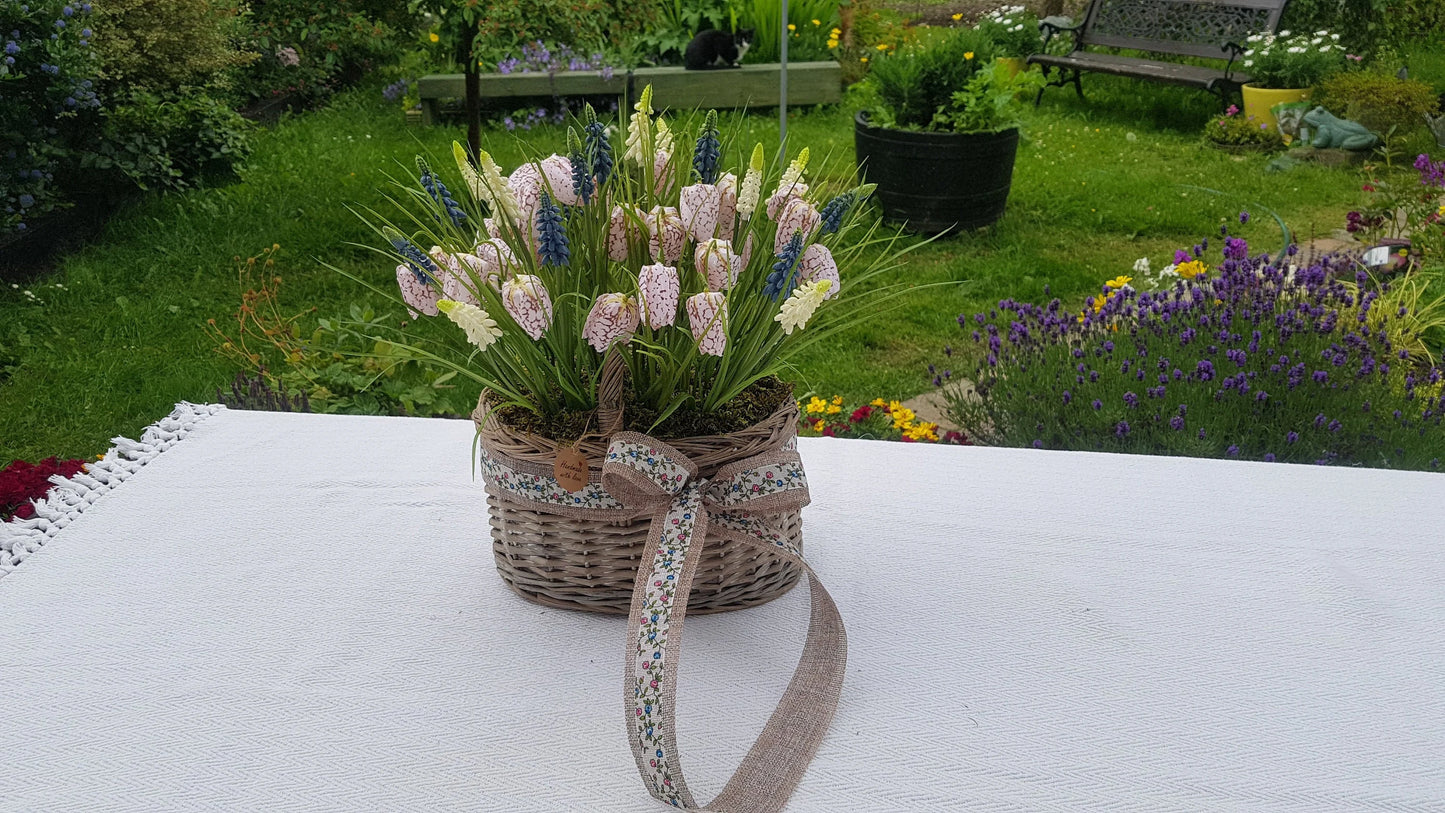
(641, 475)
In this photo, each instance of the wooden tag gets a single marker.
(570, 470)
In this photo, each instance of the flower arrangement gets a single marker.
(1255, 359)
(1231, 129)
(1290, 60)
(703, 280)
(1013, 30)
(950, 84)
(21, 482)
(876, 420)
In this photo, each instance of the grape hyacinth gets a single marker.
(708, 152)
(781, 279)
(552, 246)
(598, 147)
(439, 193)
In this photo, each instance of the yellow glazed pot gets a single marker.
(1258, 102)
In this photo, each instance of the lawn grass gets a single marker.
(124, 338)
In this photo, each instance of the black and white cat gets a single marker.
(717, 49)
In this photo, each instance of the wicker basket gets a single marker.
(591, 565)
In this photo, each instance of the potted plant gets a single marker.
(1014, 32)
(1232, 131)
(938, 132)
(627, 309)
(1285, 68)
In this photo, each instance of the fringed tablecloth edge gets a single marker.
(68, 498)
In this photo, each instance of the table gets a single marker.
(300, 612)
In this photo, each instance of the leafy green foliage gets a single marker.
(805, 42)
(1014, 31)
(1234, 129)
(494, 30)
(155, 141)
(931, 86)
(990, 100)
(162, 46)
(306, 45)
(1381, 102)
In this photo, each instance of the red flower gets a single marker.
(862, 413)
(1368, 188)
(21, 482)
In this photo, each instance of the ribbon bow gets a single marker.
(642, 475)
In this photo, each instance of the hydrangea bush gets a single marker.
(47, 79)
(704, 276)
(1253, 358)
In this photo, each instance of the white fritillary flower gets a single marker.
(700, 204)
(613, 317)
(707, 316)
(716, 260)
(659, 287)
(526, 299)
(817, 263)
(727, 215)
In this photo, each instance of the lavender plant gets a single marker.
(1252, 360)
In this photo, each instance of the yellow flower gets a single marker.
(1191, 269)
(433, 37)
(792, 27)
(1098, 301)
(1119, 281)
(958, 16)
(816, 405)
(837, 32)
(832, 43)
(882, 46)
(1442, 211)
(837, 400)
(862, 59)
(818, 426)
(817, 22)
(834, 409)
(878, 402)
(922, 431)
(968, 54)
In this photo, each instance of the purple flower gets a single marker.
(1131, 400)
(1068, 396)
(1269, 457)
(1098, 405)
(1176, 423)
(1244, 217)
(1121, 428)
(1038, 444)
(1232, 451)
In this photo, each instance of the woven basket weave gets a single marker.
(591, 565)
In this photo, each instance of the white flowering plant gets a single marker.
(704, 280)
(1014, 31)
(1290, 61)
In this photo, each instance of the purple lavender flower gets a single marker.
(1232, 451)
(1098, 405)
(1244, 217)
(1068, 396)
(1038, 444)
(1176, 423)
(1131, 400)
(1121, 428)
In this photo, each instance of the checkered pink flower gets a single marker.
(666, 234)
(419, 295)
(558, 171)
(625, 229)
(747, 255)
(781, 197)
(719, 263)
(497, 262)
(613, 316)
(707, 315)
(700, 204)
(797, 215)
(817, 263)
(660, 288)
(526, 299)
(727, 215)
(527, 184)
(664, 173)
(493, 230)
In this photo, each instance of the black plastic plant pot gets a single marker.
(937, 182)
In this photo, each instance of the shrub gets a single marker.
(1381, 102)
(1410, 210)
(1230, 129)
(906, 89)
(1013, 30)
(1292, 60)
(306, 45)
(47, 99)
(503, 27)
(165, 45)
(151, 140)
(1252, 359)
(1365, 25)
(806, 40)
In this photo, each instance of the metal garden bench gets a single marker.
(1212, 29)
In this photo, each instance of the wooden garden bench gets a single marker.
(1213, 29)
(674, 87)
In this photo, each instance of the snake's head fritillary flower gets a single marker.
(727, 213)
(707, 317)
(557, 170)
(526, 184)
(627, 227)
(666, 234)
(458, 287)
(492, 228)
(613, 317)
(664, 172)
(448, 264)
(659, 287)
(480, 328)
(797, 215)
(700, 204)
(497, 262)
(800, 306)
(816, 264)
(526, 299)
(747, 255)
(417, 294)
(780, 199)
(719, 263)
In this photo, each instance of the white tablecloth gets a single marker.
(297, 612)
